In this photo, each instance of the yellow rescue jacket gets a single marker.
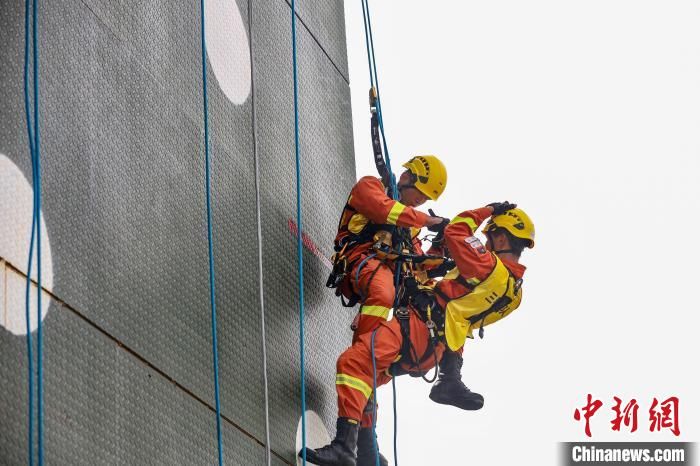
(487, 302)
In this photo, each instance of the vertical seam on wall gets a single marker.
(268, 458)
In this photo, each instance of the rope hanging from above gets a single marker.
(300, 256)
(210, 240)
(374, 83)
(35, 155)
(394, 192)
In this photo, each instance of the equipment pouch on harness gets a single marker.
(337, 279)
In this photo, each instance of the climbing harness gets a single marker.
(408, 352)
(380, 241)
(210, 240)
(35, 154)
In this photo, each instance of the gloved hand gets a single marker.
(438, 239)
(441, 269)
(437, 224)
(499, 208)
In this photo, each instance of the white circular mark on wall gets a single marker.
(227, 48)
(16, 201)
(316, 434)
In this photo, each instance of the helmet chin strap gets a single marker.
(503, 251)
(499, 251)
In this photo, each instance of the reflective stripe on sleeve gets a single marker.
(376, 311)
(395, 212)
(354, 383)
(468, 220)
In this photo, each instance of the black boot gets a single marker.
(449, 388)
(341, 451)
(365, 449)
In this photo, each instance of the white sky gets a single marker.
(588, 115)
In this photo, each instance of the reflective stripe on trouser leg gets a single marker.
(375, 311)
(378, 292)
(354, 383)
(354, 369)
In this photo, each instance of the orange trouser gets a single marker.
(375, 286)
(354, 377)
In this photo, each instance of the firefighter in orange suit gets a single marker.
(484, 287)
(369, 279)
(369, 209)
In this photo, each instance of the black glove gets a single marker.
(499, 208)
(438, 239)
(441, 269)
(440, 227)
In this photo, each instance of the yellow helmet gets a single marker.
(517, 222)
(430, 175)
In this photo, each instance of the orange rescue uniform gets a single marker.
(369, 206)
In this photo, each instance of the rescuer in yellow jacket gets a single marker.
(484, 287)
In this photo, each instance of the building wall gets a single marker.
(127, 339)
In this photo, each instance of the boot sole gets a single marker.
(472, 406)
(311, 458)
(372, 461)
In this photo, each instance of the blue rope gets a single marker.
(374, 82)
(34, 145)
(396, 423)
(359, 269)
(210, 238)
(37, 213)
(374, 407)
(374, 394)
(369, 51)
(30, 136)
(300, 256)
